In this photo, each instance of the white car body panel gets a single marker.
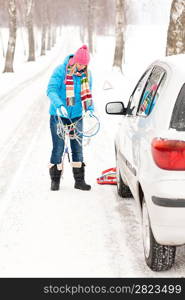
(136, 164)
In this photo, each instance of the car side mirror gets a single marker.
(115, 108)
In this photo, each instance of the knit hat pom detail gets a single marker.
(84, 47)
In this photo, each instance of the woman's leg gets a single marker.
(76, 147)
(58, 143)
(77, 158)
(56, 155)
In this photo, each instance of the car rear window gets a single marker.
(178, 116)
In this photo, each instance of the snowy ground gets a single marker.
(68, 233)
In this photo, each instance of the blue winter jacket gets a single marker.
(56, 91)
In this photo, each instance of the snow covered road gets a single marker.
(69, 233)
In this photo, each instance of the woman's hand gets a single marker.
(89, 113)
(61, 111)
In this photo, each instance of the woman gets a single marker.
(69, 90)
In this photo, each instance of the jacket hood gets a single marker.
(66, 60)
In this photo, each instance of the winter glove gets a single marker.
(89, 113)
(61, 111)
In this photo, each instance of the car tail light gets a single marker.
(169, 154)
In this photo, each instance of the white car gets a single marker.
(150, 156)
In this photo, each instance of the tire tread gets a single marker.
(162, 256)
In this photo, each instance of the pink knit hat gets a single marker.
(81, 56)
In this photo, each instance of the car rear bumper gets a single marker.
(166, 206)
(168, 225)
(169, 235)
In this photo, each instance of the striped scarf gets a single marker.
(86, 96)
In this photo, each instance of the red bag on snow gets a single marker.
(108, 177)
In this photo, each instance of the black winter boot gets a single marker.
(79, 174)
(55, 175)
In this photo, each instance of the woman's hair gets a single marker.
(73, 69)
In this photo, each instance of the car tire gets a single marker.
(158, 257)
(123, 189)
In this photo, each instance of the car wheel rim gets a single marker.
(146, 231)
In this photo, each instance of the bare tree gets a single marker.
(29, 4)
(3, 23)
(97, 18)
(90, 24)
(21, 23)
(104, 15)
(44, 27)
(53, 35)
(176, 33)
(2, 44)
(12, 37)
(48, 17)
(49, 30)
(49, 37)
(83, 27)
(54, 24)
(119, 29)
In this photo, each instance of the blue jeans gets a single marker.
(58, 143)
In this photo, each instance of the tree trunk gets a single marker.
(2, 44)
(90, 25)
(31, 41)
(44, 20)
(43, 40)
(82, 33)
(53, 40)
(29, 24)
(49, 38)
(119, 30)
(12, 37)
(175, 36)
(60, 30)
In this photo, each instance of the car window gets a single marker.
(151, 91)
(136, 95)
(178, 115)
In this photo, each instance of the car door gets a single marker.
(145, 124)
(127, 130)
(137, 126)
